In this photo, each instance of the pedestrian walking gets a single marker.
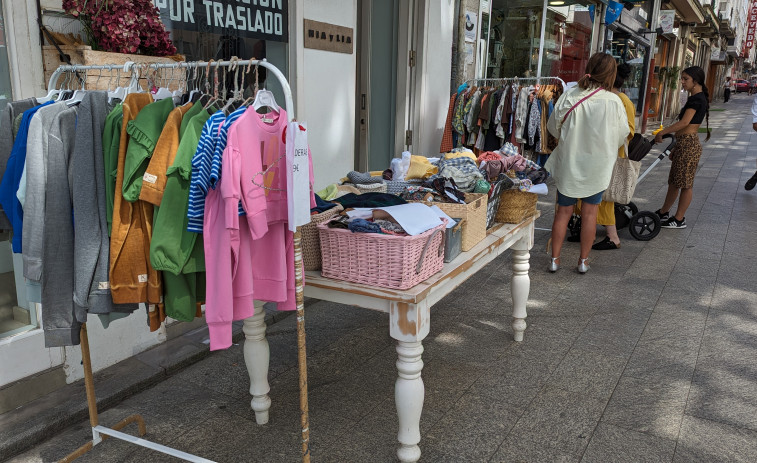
(590, 123)
(606, 211)
(753, 181)
(727, 90)
(687, 151)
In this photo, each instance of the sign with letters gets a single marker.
(752, 24)
(328, 37)
(257, 19)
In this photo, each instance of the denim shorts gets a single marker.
(563, 200)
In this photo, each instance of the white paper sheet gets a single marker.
(540, 189)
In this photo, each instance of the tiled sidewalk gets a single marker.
(648, 357)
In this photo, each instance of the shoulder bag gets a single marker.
(623, 181)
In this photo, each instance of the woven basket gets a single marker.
(311, 241)
(495, 195)
(474, 215)
(389, 261)
(515, 205)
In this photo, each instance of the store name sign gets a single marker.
(328, 37)
(749, 41)
(258, 19)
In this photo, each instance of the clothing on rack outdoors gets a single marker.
(132, 278)
(447, 144)
(60, 319)
(7, 137)
(91, 293)
(201, 164)
(521, 113)
(154, 178)
(111, 144)
(41, 134)
(174, 250)
(12, 178)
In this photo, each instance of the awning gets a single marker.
(689, 10)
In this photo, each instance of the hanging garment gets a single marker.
(132, 278)
(520, 115)
(174, 250)
(111, 143)
(59, 318)
(7, 138)
(446, 144)
(533, 123)
(200, 179)
(144, 130)
(91, 242)
(42, 132)
(154, 177)
(12, 178)
(492, 141)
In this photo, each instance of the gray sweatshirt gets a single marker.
(58, 318)
(40, 134)
(91, 242)
(7, 117)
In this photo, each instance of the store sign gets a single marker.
(257, 19)
(328, 37)
(749, 41)
(667, 18)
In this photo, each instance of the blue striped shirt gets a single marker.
(223, 136)
(198, 186)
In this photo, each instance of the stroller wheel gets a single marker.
(623, 214)
(644, 225)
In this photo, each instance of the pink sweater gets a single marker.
(251, 256)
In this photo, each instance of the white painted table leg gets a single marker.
(256, 357)
(409, 393)
(409, 324)
(520, 285)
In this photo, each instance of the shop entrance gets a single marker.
(626, 49)
(379, 28)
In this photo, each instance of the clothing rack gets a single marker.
(505, 80)
(100, 433)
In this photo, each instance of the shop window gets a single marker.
(626, 50)
(515, 37)
(221, 29)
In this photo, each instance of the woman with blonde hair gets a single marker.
(590, 123)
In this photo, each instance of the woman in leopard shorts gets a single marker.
(685, 156)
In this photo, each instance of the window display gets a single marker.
(515, 36)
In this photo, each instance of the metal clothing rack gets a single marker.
(100, 433)
(505, 80)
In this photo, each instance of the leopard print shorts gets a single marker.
(684, 159)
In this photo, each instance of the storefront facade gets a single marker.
(395, 70)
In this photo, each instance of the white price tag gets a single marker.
(150, 178)
(298, 175)
(142, 278)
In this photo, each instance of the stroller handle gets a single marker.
(672, 143)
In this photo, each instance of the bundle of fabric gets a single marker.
(461, 168)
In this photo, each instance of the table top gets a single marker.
(498, 239)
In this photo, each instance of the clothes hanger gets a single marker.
(78, 95)
(235, 96)
(207, 85)
(265, 98)
(158, 93)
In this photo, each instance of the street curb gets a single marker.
(33, 423)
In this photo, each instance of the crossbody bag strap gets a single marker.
(579, 102)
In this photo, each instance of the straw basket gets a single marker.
(311, 241)
(474, 215)
(389, 261)
(514, 206)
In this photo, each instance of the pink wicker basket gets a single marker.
(389, 261)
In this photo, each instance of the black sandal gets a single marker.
(605, 244)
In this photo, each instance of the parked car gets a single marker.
(742, 85)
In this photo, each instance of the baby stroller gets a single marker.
(643, 225)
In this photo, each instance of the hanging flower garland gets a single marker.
(122, 26)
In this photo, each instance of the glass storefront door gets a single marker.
(627, 50)
(515, 36)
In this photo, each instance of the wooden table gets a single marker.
(409, 321)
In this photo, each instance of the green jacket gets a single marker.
(144, 131)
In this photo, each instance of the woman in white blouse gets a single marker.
(590, 124)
